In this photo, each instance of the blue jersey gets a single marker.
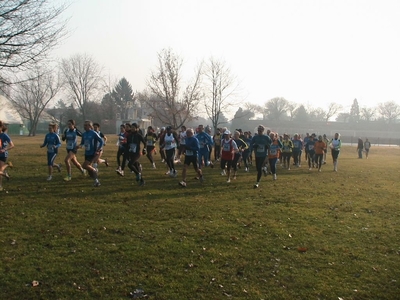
(92, 142)
(71, 138)
(192, 146)
(52, 141)
(260, 144)
(297, 145)
(310, 146)
(4, 142)
(205, 140)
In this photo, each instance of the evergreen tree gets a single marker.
(354, 112)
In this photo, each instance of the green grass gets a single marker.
(207, 241)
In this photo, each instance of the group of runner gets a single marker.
(195, 146)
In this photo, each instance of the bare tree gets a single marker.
(292, 109)
(31, 97)
(83, 78)
(275, 108)
(389, 111)
(333, 109)
(169, 104)
(220, 87)
(367, 113)
(29, 30)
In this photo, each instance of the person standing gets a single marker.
(360, 147)
(335, 146)
(70, 136)
(52, 142)
(260, 144)
(93, 144)
(326, 141)
(182, 143)
(367, 146)
(6, 144)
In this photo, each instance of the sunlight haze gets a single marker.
(309, 52)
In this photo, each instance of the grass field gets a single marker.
(307, 235)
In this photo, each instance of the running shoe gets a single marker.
(182, 183)
(234, 177)
(84, 172)
(174, 173)
(141, 182)
(256, 185)
(106, 162)
(58, 167)
(49, 178)
(223, 172)
(68, 178)
(265, 171)
(246, 169)
(96, 183)
(274, 176)
(6, 175)
(228, 181)
(168, 173)
(154, 166)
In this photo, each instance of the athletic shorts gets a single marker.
(72, 150)
(3, 159)
(89, 158)
(192, 159)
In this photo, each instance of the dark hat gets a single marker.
(134, 125)
(169, 127)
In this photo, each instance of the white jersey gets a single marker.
(170, 142)
(182, 137)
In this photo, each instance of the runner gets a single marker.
(182, 141)
(151, 139)
(192, 147)
(228, 150)
(319, 147)
(52, 142)
(134, 139)
(93, 144)
(335, 146)
(170, 144)
(242, 146)
(311, 151)
(287, 149)
(96, 128)
(121, 147)
(273, 154)
(205, 141)
(70, 135)
(217, 144)
(260, 144)
(6, 144)
(297, 149)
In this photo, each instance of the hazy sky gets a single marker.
(311, 52)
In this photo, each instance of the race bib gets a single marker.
(273, 151)
(227, 147)
(70, 145)
(132, 147)
(150, 143)
(310, 147)
(87, 145)
(50, 148)
(261, 148)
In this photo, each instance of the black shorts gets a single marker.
(3, 159)
(192, 159)
(89, 158)
(72, 150)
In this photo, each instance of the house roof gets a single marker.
(7, 113)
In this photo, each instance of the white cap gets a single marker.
(227, 132)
